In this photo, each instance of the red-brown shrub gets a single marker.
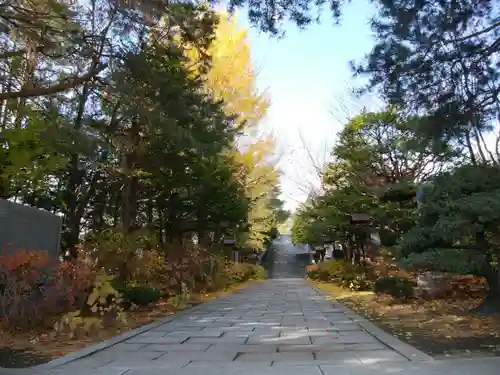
(20, 275)
(190, 265)
(76, 278)
(33, 290)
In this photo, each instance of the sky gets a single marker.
(307, 76)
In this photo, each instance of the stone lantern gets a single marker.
(366, 236)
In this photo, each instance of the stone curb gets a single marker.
(92, 349)
(406, 350)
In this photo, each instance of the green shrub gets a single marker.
(394, 286)
(259, 273)
(445, 260)
(235, 273)
(335, 270)
(104, 306)
(140, 295)
(180, 300)
(342, 272)
(356, 282)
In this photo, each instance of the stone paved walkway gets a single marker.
(278, 327)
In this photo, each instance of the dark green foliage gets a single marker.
(378, 159)
(457, 226)
(334, 270)
(270, 15)
(458, 205)
(141, 295)
(395, 286)
(423, 44)
(401, 192)
(461, 261)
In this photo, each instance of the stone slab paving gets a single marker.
(279, 327)
(269, 328)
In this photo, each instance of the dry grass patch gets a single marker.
(444, 327)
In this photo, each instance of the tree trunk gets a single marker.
(471, 149)
(99, 210)
(493, 278)
(349, 252)
(115, 208)
(150, 211)
(491, 303)
(131, 181)
(71, 237)
(363, 252)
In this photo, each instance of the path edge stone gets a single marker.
(406, 350)
(92, 349)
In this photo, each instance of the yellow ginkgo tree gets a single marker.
(231, 77)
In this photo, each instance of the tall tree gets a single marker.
(231, 79)
(133, 147)
(458, 227)
(439, 59)
(232, 76)
(377, 154)
(260, 178)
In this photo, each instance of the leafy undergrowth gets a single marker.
(441, 328)
(36, 347)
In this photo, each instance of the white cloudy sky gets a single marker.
(307, 76)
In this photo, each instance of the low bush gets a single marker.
(103, 307)
(334, 270)
(20, 288)
(236, 273)
(140, 295)
(356, 282)
(137, 258)
(33, 289)
(151, 269)
(323, 271)
(342, 272)
(457, 261)
(36, 291)
(394, 286)
(258, 273)
(190, 266)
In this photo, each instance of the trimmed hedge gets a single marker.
(395, 286)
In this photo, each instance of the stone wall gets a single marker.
(28, 228)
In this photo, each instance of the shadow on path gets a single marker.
(280, 327)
